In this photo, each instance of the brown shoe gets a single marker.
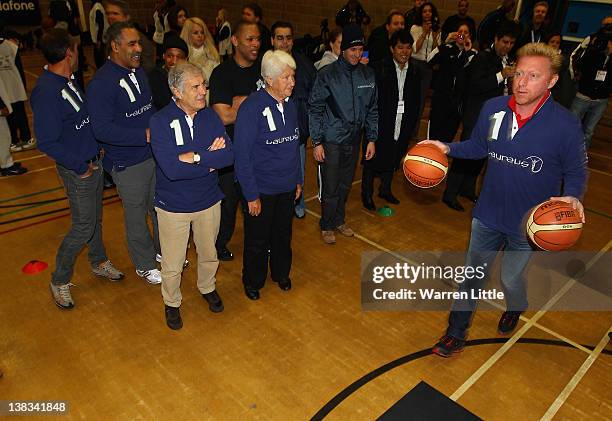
(345, 230)
(328, 237)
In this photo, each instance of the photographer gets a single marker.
(592, 69)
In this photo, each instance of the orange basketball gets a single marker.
(425, 166)
(554, 225)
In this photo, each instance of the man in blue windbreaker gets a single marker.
(63, 129)
(535, 153)
(120, 104)
(189, 144)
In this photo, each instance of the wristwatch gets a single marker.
(196, 158)
(316, 143)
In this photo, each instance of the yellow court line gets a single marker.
(29, 172)
(571, 385)
(506, 346)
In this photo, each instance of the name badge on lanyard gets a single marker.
(400, 107)
(601, 75)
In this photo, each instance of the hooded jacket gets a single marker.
(342, 102)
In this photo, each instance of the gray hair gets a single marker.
(274, 62)
(179, 73)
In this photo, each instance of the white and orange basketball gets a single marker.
(425, 166)
(554, 225)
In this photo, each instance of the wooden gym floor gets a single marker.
(287, 355)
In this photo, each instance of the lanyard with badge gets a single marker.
(600, 76)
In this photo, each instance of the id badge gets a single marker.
(601, 76)
(400, 107)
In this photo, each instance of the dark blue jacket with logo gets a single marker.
(120, 113)
(342, 102)
(544, 155)
(266, 144)
(62, 122)
(179, 186)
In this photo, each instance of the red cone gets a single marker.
(34, 266)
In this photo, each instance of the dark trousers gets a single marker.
(229, 205)
(270, 230)
(99, 54)
(85, 199)
(336, 172)
(18, 123)
(444, 118)
(462, 178)
(485, 244)
(463, 173)
(367, 182)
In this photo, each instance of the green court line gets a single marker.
(31, 194)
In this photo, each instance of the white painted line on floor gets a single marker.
(569, 388)
(600, 172)
(600, 155)
(507, 345)
(29, 158)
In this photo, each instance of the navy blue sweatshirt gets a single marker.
(266, 145)
(62, 123)
(182, 187)
(120, 113)
(526, 169)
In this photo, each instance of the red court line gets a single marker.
(53, 218)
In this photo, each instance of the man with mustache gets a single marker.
(120, 105)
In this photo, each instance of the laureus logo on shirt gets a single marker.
(533, 163)
(370, 85)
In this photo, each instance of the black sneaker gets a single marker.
(173, 318)
(214, 301)
(13, 170)
(224, 254)
(447, 346)
(508, 322)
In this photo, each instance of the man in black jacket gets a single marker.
(395, 78)
(378, 43)
(487, 78)
(492, 22)
(305, 72)
(343, 101)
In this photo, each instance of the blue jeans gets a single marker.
(300, 206)
(85, 199)
(485, 244)
(589, 111)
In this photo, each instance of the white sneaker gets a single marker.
(152, 276)
(16, 147)
(29, 144)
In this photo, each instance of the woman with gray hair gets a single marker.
(266, 146)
